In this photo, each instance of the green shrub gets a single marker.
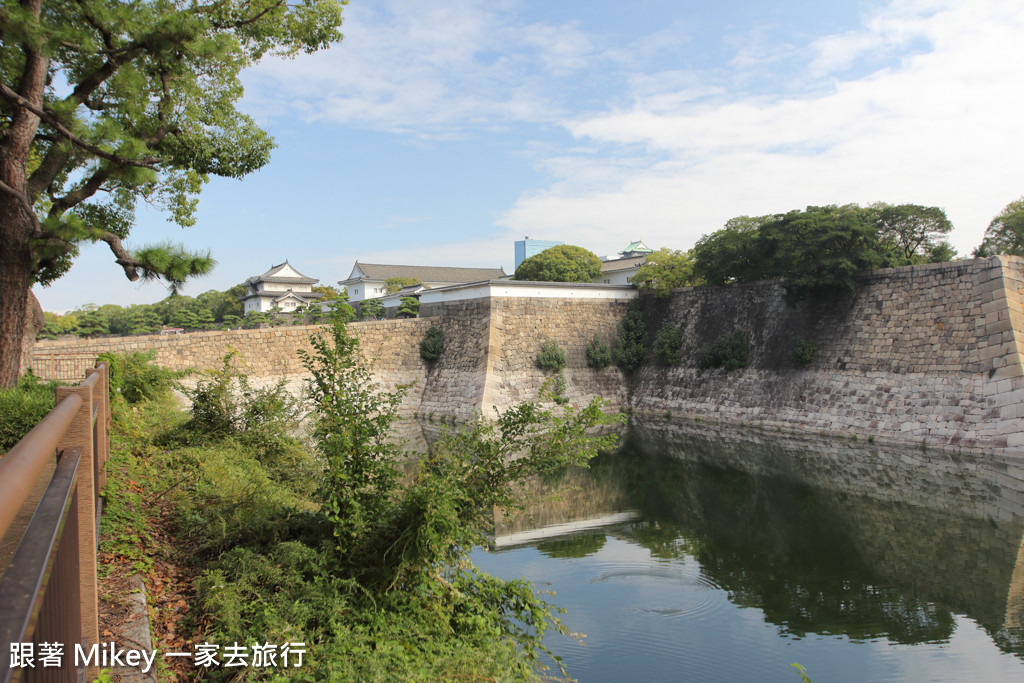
(224, 405)
(23, 407)
(668, 344)
(730, 351)
(803, 354)
(134, 376)
(432, 345)
(631, 342)
(599, 356)
(551, 357)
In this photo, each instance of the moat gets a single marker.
(694, 554)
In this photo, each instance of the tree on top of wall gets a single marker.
(563, 263)
(1005, 234)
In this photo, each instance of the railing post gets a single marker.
(101, 395)
(80, 435)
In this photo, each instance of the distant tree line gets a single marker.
(212, 310)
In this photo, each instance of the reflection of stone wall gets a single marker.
(938, 526)
(924, 353)
(972, 485)
(576, 496)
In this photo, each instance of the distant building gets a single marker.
(637, 248)
(525, 248)
(282, 287)
(366, 280)
(620, 271)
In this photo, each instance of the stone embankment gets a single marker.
(925, 354)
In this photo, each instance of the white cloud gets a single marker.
(432, 69)
(938, 127)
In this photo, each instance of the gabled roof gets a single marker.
(379, 271)
(285, 273)
(637, 247)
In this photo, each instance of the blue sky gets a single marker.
(438, 133)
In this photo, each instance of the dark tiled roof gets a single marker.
(270, 276)
(378, 271)
(276, 295)
(622, 263)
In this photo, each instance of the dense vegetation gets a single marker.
(1005, 234)
(210, 310)
(818, 250)
(22, 407)
(332, 546)
(562, 263)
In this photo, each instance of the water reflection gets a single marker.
(822, 537)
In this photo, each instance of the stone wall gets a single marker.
(392, 346)
(918, 354)
(519, 326)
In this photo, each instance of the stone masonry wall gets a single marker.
(925, 353)
(919, 354)
(518, 329)
(270, 354)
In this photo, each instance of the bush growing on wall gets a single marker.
(631, 343)
(804, 352)
(668, 344)
(432, 345)
(730, 351)
(551, 357)
(599, 356)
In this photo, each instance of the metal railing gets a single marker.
(49, 517)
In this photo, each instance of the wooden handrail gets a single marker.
(21, 467)
(49, 591)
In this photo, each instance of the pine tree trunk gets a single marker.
(15, 283)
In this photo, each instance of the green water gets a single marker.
(695, 554)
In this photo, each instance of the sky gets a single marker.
(439, 133)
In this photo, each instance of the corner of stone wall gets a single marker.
(999, 324)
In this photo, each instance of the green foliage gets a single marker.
(135, 377)
(551, 356)
(408, 307)
(371, 309)
(803, 354)
(225, 405)
(1005, 234)
(562, 263)
(394, 284)
(23, 407)
(145, 110)
(668, 344)
(730, 351)
(432, 345)
(329, 292)
(731, 254)
(818, 251)
(630, 350)
(339, 310)
(599, 355)
(911, 233)
(804, 678)
(664, 270)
